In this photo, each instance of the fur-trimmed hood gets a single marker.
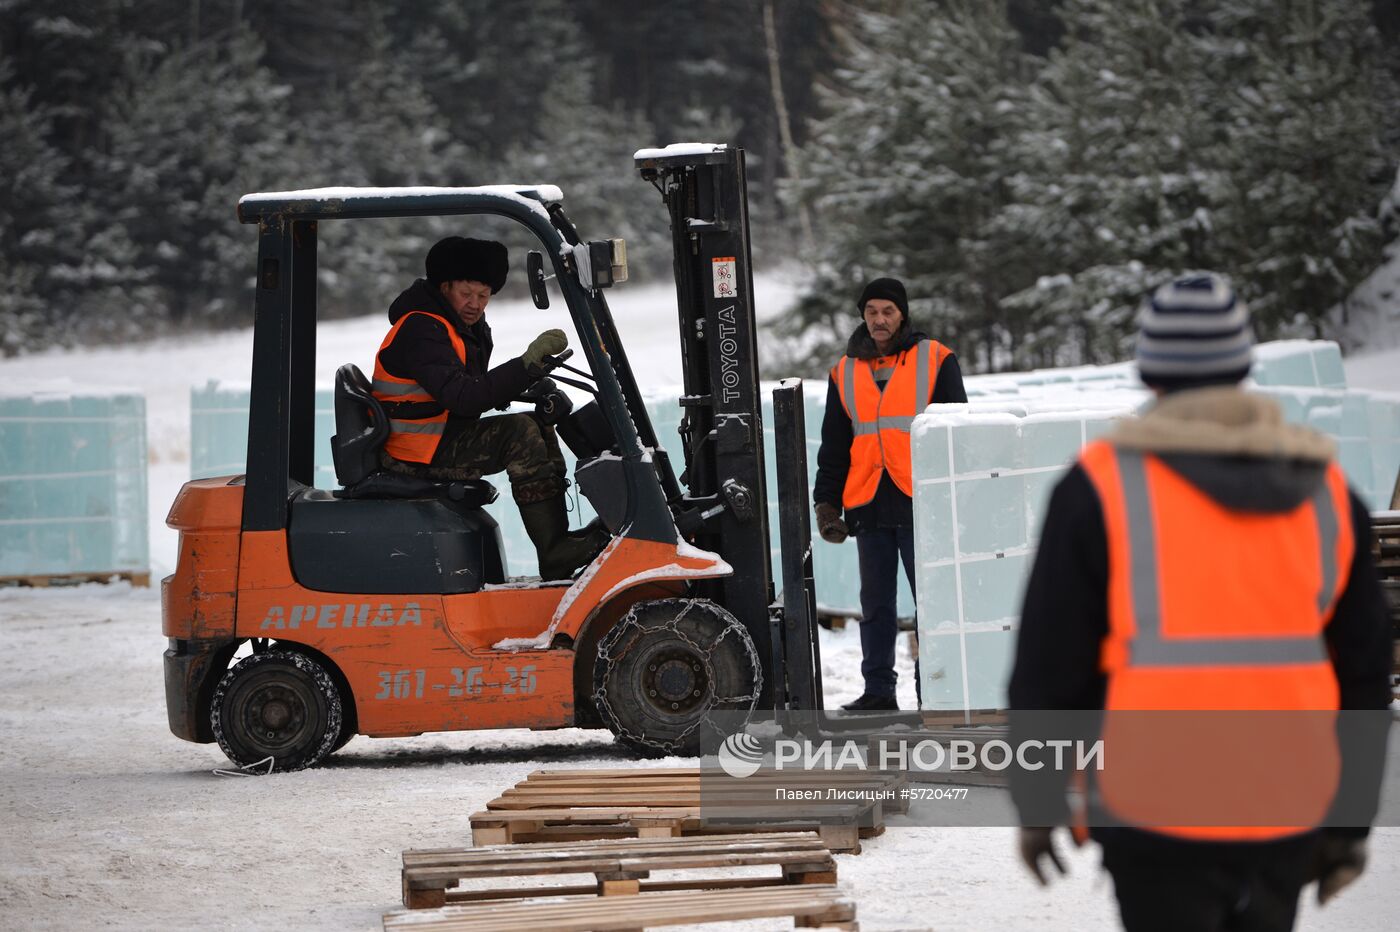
(1233, 445)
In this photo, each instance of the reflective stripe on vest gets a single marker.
(881, 419)
(386, 389)
(412, 439)
(416, 427)
(1214, 609)
(1150, 649)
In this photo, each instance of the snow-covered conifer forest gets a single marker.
(1029, 167)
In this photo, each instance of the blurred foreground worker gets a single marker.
(889, 374)
(1207, 556)
(433, 375)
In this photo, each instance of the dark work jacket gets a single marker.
(422, 351)
(1064, 619)
(890, 507)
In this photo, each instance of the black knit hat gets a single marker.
(478, 260)
(890, 289)
(1194, 332)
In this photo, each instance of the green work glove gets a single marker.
(830, 525)
(549, 343)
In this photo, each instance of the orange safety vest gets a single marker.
(1211, 609)
(880, 421)
(413, 438)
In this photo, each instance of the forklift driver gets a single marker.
(433, 376)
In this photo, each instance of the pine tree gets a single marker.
(1122, 190)
(585, 147)
(175, 172)
(32, 198)
(489, 68)
(1303, 100)
(911, 173)
(382, 129)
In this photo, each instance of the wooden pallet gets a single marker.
(45, 580)
(622, 866)
(711, 784)
(809, 906)
(937, 720)
(834, 621)
(977, 776)
(665, 803)
(1385, 554)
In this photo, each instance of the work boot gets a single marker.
(560, 553)
(594, 530)
(869, 702)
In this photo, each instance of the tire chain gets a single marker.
(302, 662)
(600, 698)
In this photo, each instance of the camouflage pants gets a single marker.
(519, 444)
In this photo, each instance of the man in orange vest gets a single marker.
(889, 374)
(433, 375)
(1206, 556)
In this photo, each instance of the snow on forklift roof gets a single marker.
(680, 148)
(336, 199)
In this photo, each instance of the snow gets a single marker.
(113, 822)
(63, 387)
(529, 193)
(1369, 321)
(110, 821)
(680, 148)
(1379, 371)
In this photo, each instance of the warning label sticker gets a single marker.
(723, 268)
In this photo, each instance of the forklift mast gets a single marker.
(725, 505)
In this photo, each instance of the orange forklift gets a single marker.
(299, 617)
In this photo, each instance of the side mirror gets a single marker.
(534, 272)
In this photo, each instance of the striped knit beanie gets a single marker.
(1194, 332)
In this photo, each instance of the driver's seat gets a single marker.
(361, 427)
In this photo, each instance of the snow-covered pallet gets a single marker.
(619, 866)
(810, 906)
(665, 803)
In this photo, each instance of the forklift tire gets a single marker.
(277, 704)
(342, 739)
(666, 666)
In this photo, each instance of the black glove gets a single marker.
(1037, 843)
(549, 343)
(1339, 862)
(553, 406)
(830, 525)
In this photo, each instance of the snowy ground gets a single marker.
(109, 821)
(112, 822)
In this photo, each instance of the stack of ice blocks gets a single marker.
(983, 472)
(73, 483)
(982, 478)
(1307, 379)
